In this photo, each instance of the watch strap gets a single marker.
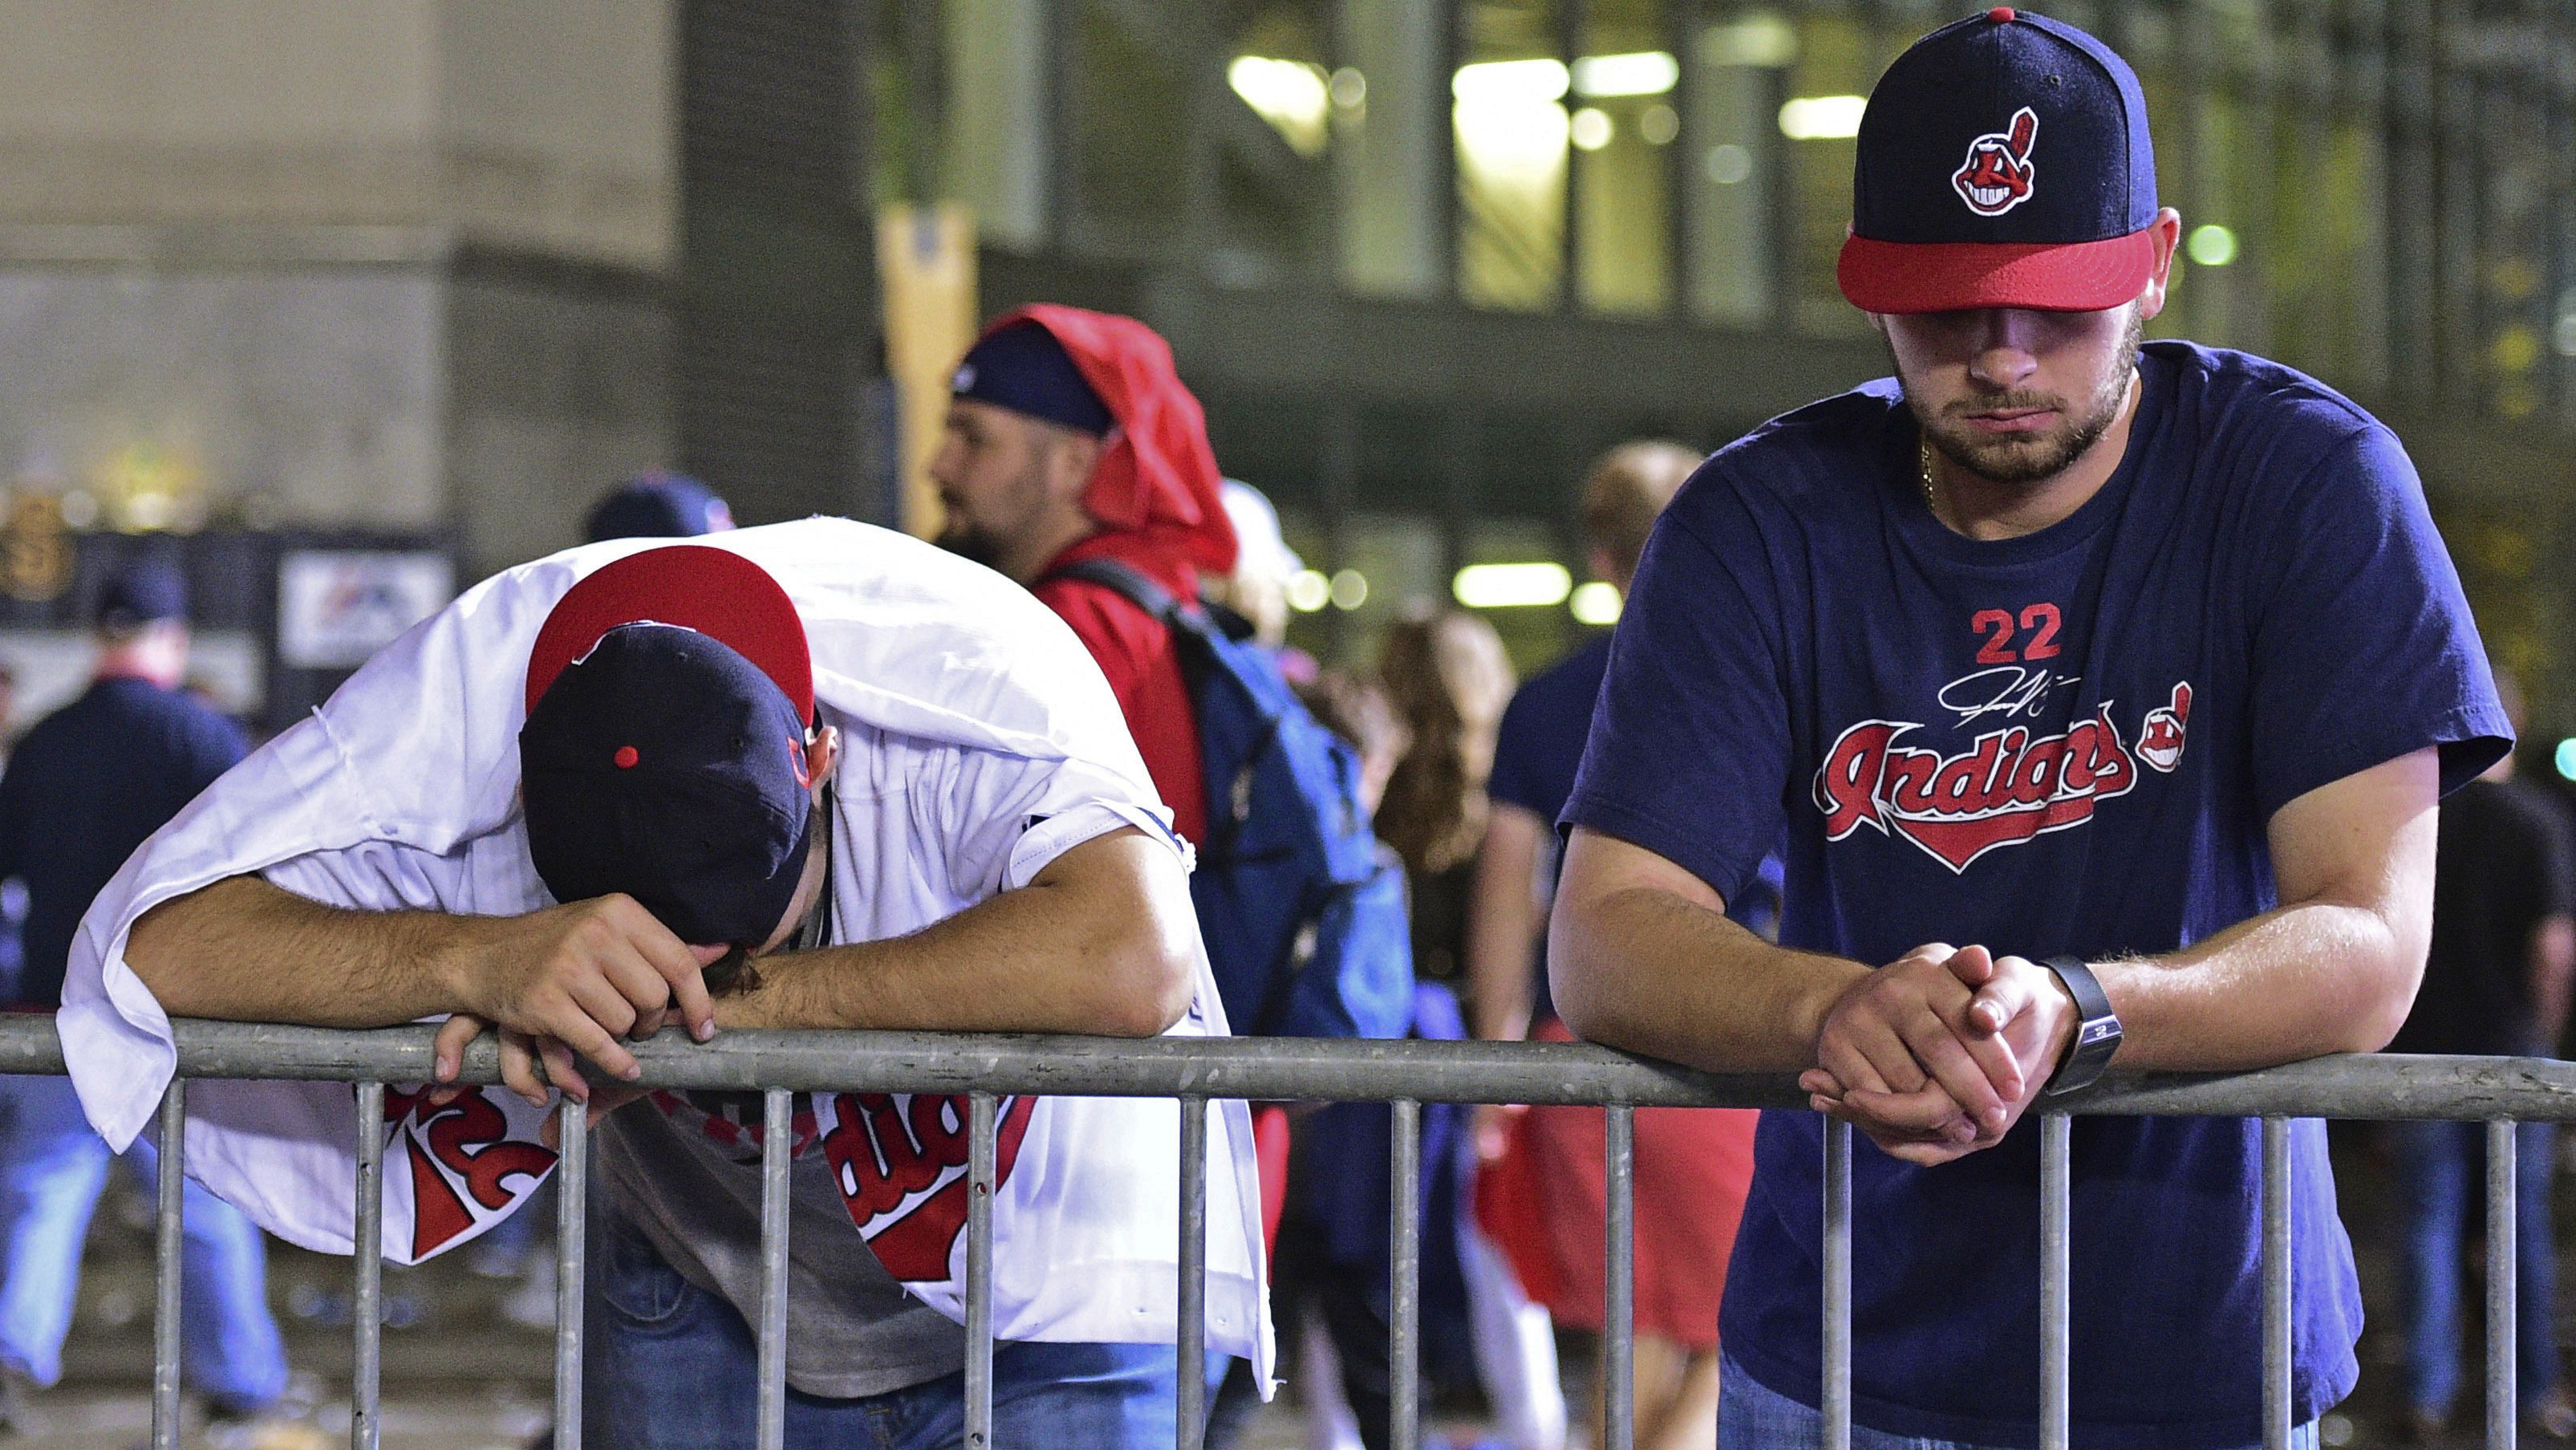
(2097, 1027)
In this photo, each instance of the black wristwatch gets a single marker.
(2097, 1027)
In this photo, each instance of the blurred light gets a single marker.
(80, 509)
(1590, 129)
(1511, 586)
(1822, 118)
(1519, 82)
(2566, 759)
(2516, 349)
(1635, 73)
(1349, 89)
(1763, 40)
(1308, 591)
(2211, 246)
(1289, 94)
(1350, 589)
(1729, 163)
(1659, 125)
(1596, 603)
(2562, 334)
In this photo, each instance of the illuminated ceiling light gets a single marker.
(1758, 40)
(1349, 89)
(1308, 591)
(1635, 73)
(1291, 95)
(1659, 125)
(2566, 759)
(1729, 163)
(2211, 246)
(1591, 129)
(1350, 589)
(1516, 81)
(1596, 603)
(1822, 118)
(1511, 586)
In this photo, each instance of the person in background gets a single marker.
(1692, 1165)
(1257, 590)
(2496, 982)
(85, 787)
(657, 505)
(1447, 673)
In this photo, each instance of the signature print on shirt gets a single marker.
(2011, 785)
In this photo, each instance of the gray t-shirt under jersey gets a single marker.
(851, 1329)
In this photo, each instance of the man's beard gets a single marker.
(970, 542)
(2025, 460)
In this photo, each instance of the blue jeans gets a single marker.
(52, 1170)
(2441, 1193)
(670, 1366)
(1752, 1417)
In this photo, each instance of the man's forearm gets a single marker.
(1643, 969)
(1102, 942)
(2296, 982)
(245, 950)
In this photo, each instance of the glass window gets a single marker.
(1735, 92)
(1509, 117)
(1839, 58)
(1272, 133)
(995, 156)
(1625, 82)
(1126, 104)
(1530, 611)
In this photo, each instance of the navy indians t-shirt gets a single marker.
(2069, 741)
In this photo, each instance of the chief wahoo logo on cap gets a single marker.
(1998, 173)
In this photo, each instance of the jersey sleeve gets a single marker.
(1690, 739)
(2362, 647)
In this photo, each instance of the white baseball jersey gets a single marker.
(979, 742)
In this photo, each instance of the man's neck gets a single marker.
(1028, 565)
(1980, 508)
(149, 666)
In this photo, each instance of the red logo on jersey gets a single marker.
(1998, 174)
(2008, 788)
(901, 1166)
(462, 1158)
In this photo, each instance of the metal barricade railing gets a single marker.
(2497, 1091)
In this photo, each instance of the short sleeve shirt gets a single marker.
(2067, 742)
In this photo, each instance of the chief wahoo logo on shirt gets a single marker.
(2011, 785)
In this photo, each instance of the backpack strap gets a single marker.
(1127, 582)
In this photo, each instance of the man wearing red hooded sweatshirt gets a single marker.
(1070, 437)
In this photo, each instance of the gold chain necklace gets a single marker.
(1923, 468)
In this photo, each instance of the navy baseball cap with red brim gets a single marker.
(2003, 161)
(670, 696)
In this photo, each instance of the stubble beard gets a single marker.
(2017, 462)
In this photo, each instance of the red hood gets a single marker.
(1157, 477)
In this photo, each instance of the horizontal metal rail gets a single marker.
(2494, 1090)
(2378, 1086)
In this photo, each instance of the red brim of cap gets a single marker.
(716, 592)
(1954, 276)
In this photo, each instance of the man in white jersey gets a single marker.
(812, 775)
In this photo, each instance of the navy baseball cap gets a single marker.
(658, 506)
(669, 699)
(1024, 368)
(2003, 162)
(139, 591)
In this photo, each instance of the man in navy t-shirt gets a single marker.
(2093, 684)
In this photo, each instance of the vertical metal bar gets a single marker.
(2502, 1390)
(979, 1271)
(1838, 1290)
(2276, 1284)
(367, 1271)
(165, 1255)
(572, 1192)
(1191, 1341)
(1619, 1300)
(777, 1134)
(2056, 1159)
(1404, 1342)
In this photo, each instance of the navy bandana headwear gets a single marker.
(1023, 368)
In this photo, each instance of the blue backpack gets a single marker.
(1302, 909)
